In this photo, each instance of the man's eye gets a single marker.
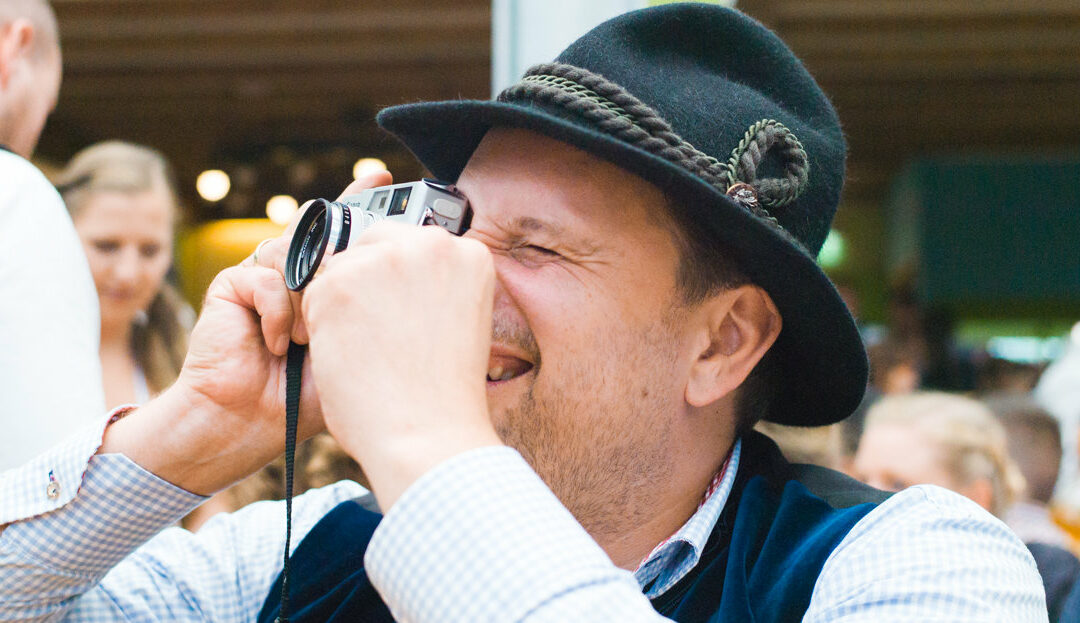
(532, 253)
(540, 250)
(106, 246)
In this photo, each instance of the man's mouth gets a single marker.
(504, 368)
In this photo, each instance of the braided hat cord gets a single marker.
(613, 110)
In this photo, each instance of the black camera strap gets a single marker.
(294, 367)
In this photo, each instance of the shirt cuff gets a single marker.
(51, 480)
(482, 536)
(77, 499)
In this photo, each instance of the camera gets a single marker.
(327, 226)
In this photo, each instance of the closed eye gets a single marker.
(533, 254)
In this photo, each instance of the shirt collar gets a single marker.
(675, 557)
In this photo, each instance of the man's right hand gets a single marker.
(224, 418)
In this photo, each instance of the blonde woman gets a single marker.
(957, 443)
(123, 202)
(939, 439)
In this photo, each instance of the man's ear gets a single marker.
(738, 326)
(16, 43)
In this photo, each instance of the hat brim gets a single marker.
(822, 360)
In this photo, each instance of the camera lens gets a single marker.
(324, 224)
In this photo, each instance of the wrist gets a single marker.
(392, 465)
(185, 440)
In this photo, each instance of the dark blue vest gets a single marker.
(760, 564)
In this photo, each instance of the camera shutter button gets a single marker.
(446, 208)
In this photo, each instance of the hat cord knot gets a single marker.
(613, 110)
(762, 137)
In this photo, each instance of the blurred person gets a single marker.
(123, 202)
(955, 442)
(817, 445)
(948, 365)
(940, 439)
(50, 375)
(895, 366)
(555, 409)
(1002, 376)
(1034, 438)
(1058, 391)
(851, 429)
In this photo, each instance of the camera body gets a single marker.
(327, 227)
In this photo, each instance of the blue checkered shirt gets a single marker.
(478, 538)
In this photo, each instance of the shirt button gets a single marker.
(53, 490)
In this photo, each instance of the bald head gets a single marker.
(40, 15)
(29, 71)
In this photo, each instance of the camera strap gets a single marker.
(294, 367)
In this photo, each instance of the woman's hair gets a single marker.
(159, 340)
(972, 441)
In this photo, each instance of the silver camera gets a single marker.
(327, 227)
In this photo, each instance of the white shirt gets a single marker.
(50, 372)
(477, 538)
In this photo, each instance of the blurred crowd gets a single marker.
(1002, 433)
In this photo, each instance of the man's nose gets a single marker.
(503, 299)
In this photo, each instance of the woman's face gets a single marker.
(892, 457)
(128, 242)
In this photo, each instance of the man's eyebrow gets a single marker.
(555, 231)
(534, 225)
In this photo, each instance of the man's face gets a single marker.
(30, 96)
(589, 351)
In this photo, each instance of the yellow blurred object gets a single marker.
(281, 209)
(365, 166)
(213, 185)
(1068, 519)
(204, 251)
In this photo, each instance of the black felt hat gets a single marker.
(701, 101)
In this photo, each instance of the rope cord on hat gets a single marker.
(615, 111)
(751, 151)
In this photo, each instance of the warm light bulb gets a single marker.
(281, 208)
(213, 185)
(366, 166)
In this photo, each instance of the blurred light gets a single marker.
(834, 251)
(281, 208)
(366, 166)
(213, 185)
(303, 173)
(1023, 349)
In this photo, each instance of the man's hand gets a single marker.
(400, 327)
(224, 418)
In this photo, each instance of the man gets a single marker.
(50, 375)
(1035, 444)
(631, 319)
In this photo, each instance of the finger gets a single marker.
(395, 232)
(263, 291)
(299, 329)
(364, 182)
